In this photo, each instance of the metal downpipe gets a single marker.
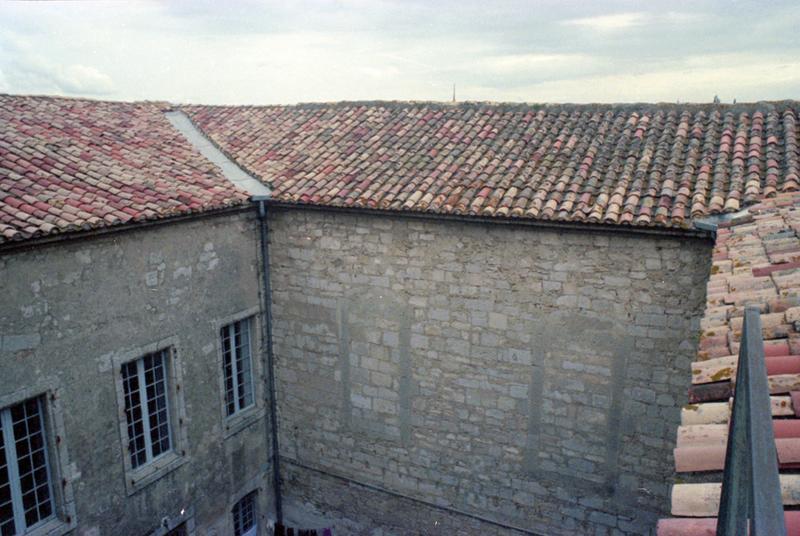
(270, 365)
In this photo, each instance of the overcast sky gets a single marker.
(299, 51)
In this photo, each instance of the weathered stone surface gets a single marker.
(543, 394)
(71, 304)
(15, 343)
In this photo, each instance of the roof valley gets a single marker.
(230, 169)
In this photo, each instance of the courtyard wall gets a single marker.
(443, 377)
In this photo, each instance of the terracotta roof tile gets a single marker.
(756, 261)
(70, 164)
(650, 165)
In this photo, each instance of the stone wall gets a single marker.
(526, 376)
(73, 309)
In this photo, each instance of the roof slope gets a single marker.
(756, 262)
(70, 164)
(650, 165)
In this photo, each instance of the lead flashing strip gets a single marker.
(236, 175)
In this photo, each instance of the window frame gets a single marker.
(144, 403)
(251, 496)
(235, 358)
(12, 456)
(63, 519)
(260, 484)
(240, 420)
(155, 467)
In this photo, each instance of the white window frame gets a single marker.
(141, 393)
(234, 364)
(252, 498)
(59, 470)
(258, 484)
(240, 420)
(12, 467)
(156, 467)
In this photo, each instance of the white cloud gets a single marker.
(83, 79)
(33, 73)
(539, 64)
(609, 23)
(27, 67)
(678, 17)
(745, 77)
(624, 21)
(398, 50)
(5, 85)
(381, 73)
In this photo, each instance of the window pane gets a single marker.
(133, 414)
(45, 509)
(180, 530)
(7, 527)
(244, 514)
(237, 365)
(157, 411)
(243, 365)
(146, 407)
(227, 365)
(29, 443)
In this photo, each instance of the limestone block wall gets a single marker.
(71, 310)
(525, 377)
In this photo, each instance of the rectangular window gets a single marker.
(180, 530)
(244, 516)
(144, 383)
(26, 497)
(237, 366)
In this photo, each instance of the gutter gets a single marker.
(702, 232)
(98, 232)
(270, 356)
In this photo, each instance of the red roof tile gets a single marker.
(647, 165)
(69, 164)
(748, 264)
